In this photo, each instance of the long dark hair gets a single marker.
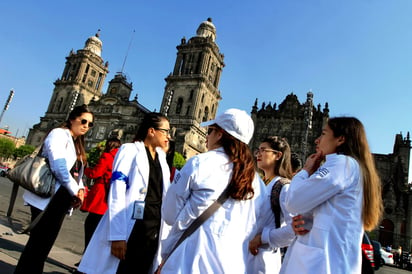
(356, 146)
(150, 120)
(170, 154)
(79, 142)
(295, 162)
(283, 166)
(240, 185)
(112, 143)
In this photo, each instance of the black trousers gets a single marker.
(44, 234)
(34, 212)
(141, 249)
(90, 224)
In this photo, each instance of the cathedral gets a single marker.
(396, 225)
(81, 82)
(191, 96)
(299, 123)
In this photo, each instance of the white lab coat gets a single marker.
(334, 193)
(58, 145)
(220, 244)
(268, 259)
(117, 222)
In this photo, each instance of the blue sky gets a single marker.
(354, 54)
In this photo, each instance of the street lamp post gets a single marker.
(6, 106)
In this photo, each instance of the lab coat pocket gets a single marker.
(306, 259)
(218, 227)
(220, 220)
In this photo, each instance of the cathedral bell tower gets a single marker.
(192, 90)
(82, 80)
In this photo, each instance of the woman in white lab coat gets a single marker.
(273, 158)
(127, 238)
(342, 197)
(219, 245)
(64, 149)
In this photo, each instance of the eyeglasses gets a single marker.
(210, 129)
(84, 121)
(165, 131)
(261, 150)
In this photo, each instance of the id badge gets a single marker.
(138, 210)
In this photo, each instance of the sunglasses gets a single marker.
(164, 130)
(84, 121)
(209, 130)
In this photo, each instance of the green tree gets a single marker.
(7, 148)
(22, 151)
(94, 154)
(178, 160)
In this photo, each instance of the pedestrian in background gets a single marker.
(219, 245)
(273, 158)
(296, 163)
(398, 256)
(96, 200)
(344, 198)
(64, 149)
(126, 239)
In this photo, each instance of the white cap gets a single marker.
(236, 122)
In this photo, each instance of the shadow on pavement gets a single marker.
(15, 249)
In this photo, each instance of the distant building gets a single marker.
(396, 225)
(299, 123)
(18, 141)
(115, 114)
(4, 131)
(192, 92)
(81, 81)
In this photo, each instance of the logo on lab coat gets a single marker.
(322, 172)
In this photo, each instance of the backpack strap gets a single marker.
(274, 198)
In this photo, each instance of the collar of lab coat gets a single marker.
(219, 149)
(143, 165)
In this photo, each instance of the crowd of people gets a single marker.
(228, 210)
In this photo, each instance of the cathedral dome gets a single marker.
(94, 44)
(207, 29)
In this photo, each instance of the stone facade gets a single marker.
(81, 81)
(299, 123)
(192, 90)
(396, 225)
(115, 114)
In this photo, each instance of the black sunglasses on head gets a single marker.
(84, 121)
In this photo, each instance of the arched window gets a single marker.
(179, 105)
(66, 73)
(59, 105)
(206, 115)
